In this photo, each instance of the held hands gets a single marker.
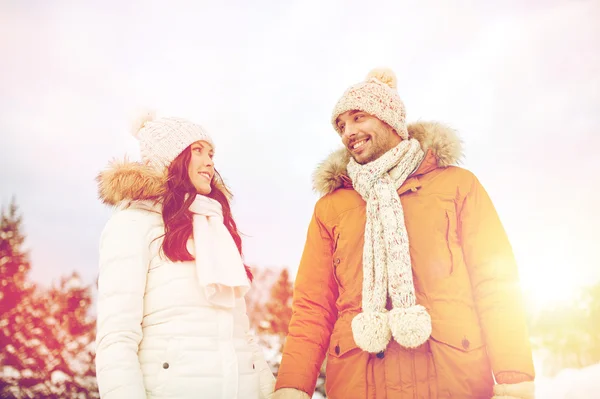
(521, 390)
(267, 384)
(266, 380)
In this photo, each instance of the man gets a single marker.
(407, 281)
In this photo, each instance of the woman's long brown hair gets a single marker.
(178, 218)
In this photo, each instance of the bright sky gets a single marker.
(518, 79)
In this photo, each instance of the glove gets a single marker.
(265, 376)
(266, 380)
(290, 393)
(521, 390)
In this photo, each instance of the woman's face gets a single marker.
(201, 168)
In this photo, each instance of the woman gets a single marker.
(172, 317)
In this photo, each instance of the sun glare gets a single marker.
(545, 287)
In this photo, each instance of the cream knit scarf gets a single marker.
(387, 268)
(219, 266)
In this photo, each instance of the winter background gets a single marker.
(519, 81)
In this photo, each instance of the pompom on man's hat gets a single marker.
(376, 95)
(163, 139)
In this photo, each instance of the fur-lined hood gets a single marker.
(130, 181)
(125, 181)
(444, 143)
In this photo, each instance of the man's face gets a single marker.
(366, 137)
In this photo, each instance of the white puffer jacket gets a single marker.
(158, 336)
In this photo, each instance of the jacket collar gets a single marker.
(441, 144)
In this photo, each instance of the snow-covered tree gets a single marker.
(46, 335)
(15, 298)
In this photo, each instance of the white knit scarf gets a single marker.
(219, 266)
(387, 268)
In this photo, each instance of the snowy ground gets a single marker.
(571, 384)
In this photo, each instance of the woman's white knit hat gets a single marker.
(163, 139)
(376, 95)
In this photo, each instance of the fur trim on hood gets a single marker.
(443, 142)
(129, 181)
(125, 181)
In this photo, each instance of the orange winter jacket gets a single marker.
(464, 274)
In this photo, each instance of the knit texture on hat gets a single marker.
(163, 139)
(377, 96)
(387, 268)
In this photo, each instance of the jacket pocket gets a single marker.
(341, 344)
(450, 238)
(435, 248)
(458, 338)
(461, 361)
(346, 365)
(336, 263)
(167, 368)
(249, 377)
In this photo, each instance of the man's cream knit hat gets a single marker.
(377, 96)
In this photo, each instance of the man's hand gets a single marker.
(521, 390)
(290, 393)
